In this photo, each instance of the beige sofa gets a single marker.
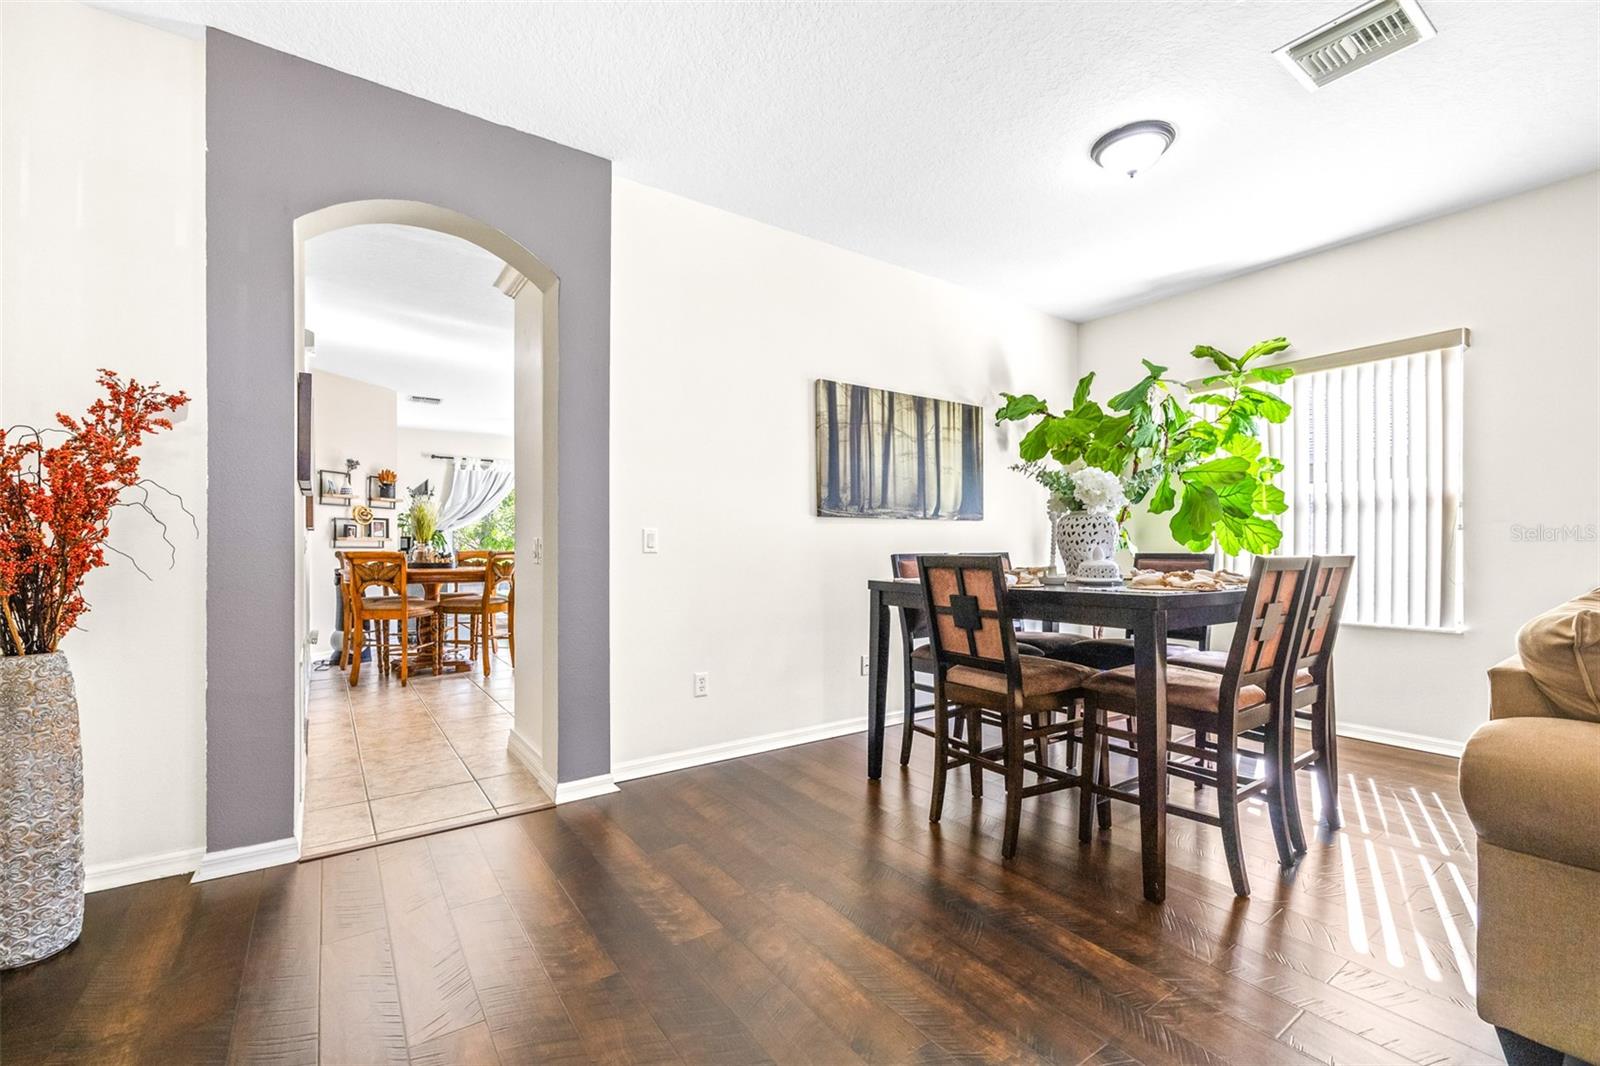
(1530, 779)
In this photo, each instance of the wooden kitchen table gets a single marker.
(1148, 613)
(432, 579)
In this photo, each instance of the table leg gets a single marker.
(877, 681)
(1150, 682)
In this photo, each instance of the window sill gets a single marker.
(1439, 631)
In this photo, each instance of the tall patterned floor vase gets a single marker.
(41, 809)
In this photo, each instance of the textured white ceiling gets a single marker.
(417, 312)
(953, 138)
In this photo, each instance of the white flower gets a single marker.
(1097, 490)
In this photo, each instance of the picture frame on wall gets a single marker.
(333, 488)
(378, 529)
(346, 529)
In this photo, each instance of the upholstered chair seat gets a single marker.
(1192, 690)
(1044, 684)
(1217, 661)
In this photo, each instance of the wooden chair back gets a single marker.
(913, 620)
(1327, 583)
(500, 569)
(1263, 638)
(473, 557)
(968, 621)
(385, 570)
(1167, 562)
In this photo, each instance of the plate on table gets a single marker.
(1073, 581)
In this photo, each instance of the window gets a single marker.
(1372, 468)
(497, 531)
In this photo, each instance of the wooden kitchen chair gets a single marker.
(1247, 695)
(980, 674)
(499, 597)
(385, 571)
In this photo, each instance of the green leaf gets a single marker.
(1196, 516)
(1215, 473)
(1242, 444)
(1019, 407)
(1213, 399)
(1254, 535)
(1238, 498)
(1036, 444)
(1080, 396)
(1268, 406)
(1126, 401)
(1164, 497)
(1257, 350)
(1272, 375)
(1224, 361)
(1269, 499)
(1155, 371)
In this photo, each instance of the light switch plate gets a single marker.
(650, 540)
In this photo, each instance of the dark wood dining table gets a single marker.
(1149, 614)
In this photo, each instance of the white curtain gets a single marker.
(1372, 468)
(475, 490)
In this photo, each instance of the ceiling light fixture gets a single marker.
(1133, 148)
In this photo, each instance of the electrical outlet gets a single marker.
(866, 661)
(650, 540)
(702, 684)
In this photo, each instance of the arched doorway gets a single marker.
(534, 290)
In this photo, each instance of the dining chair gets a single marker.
(1108, 653)
(1247, 695)
(347, 620)
(980, 674)
(466, 557)
(500, 572)
(386, 571)
(916, 656)
(1311, 688)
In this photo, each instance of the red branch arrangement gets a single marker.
(56, 504)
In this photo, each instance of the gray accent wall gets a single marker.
(286, 137)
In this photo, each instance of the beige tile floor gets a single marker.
(385, 762)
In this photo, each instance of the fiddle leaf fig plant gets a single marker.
(1192, 452)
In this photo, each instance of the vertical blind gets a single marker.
(1372, 468)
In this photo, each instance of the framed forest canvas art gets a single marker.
(883, 454)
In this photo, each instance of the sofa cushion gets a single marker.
(1533, 785)
(1561, 650)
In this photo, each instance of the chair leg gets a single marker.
(511, 636)
(1103, 802)
(1011, 741)
(357, 632)
(1290, 784)
(975, 746)
(908, 727)
(405, 652)
(1091, 746)
(484, 622)
(1279, 768)
(941, 758)
(1228, 812)
(1326, 766)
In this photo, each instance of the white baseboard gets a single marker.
(532, 759)
(103, 875)
(585, 787)
(250, 857)
(735, 749)
(1397, 738)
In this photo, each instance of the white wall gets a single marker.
(1521, 274)
(102, 135)
(720, 326)
(350, 419)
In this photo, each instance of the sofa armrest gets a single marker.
(1513, 694)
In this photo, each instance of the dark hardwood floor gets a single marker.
(781, 908)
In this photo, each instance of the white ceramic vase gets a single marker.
(1079, 533)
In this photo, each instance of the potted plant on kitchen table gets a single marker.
(1192, 451)
(58, 489)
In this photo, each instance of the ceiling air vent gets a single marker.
(424, 399)
(1355, 39)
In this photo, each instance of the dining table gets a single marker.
(1148, 614)
(433, 579)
